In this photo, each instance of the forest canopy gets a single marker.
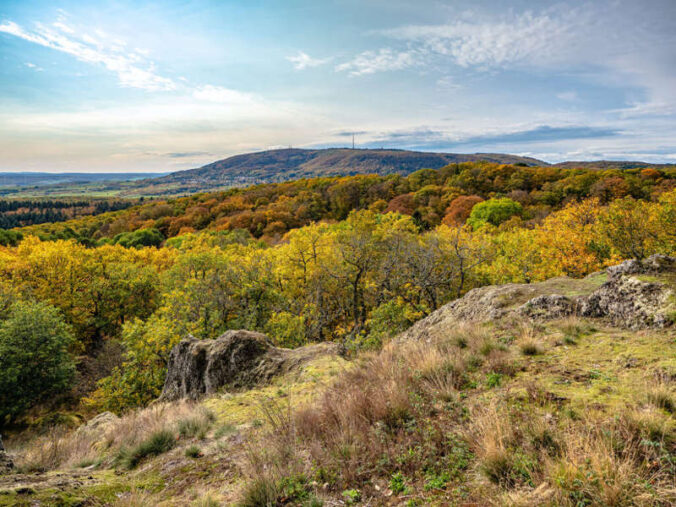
(353, 260)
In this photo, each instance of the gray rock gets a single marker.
(98, 423)
(235, 360)
(631, 303)
(551, 306)
(624, 300)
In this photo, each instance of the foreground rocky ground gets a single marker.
(559, 393)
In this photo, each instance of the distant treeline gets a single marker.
(20, 213)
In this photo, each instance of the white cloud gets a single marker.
(33, 66)
(131, 68)
(539, 39)
(617, 43)
(385, 59)
(303, 61)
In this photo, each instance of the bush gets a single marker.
(158, 443)
(494, 212)
(35, 363)
(139, 239)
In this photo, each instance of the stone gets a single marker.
(624, 300)
(237, 359)
(627, 301)
(551, 306)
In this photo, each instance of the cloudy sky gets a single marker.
(123, 86)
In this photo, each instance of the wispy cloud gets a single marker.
(303, 61)
(131, 67)
(188, 154)
(385, 59)
(33, 66)
(430, 138)
(519, 38)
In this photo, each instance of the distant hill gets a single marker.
(288, 164)
(610, 164)
(272, 166)
(25, 179)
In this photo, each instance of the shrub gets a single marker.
(34, 360)
(494, 212)
(158, 443)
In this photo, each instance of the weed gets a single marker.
(398, 483)
(352, 496)
(493, 380)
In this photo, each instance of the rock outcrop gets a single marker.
(625, 300)
(629, 301)
(237, 359)
(633, 294)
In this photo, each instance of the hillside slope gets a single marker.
(287, 164)
(503, 411)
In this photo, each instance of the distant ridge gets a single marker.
(27, 178)
(610, 164)
(274, 166)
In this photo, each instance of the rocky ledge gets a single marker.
(633, 294)
(238, 359)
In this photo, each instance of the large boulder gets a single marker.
(237, 359)
(635, 302)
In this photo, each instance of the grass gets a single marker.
(530, 348)
(430, 423)
(158, 443)
(193, 452)
(662, 397)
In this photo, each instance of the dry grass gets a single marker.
(415, 412)
(64, 448)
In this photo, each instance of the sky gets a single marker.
(160, 86)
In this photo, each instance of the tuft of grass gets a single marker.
(260, 492)
(196, 426)
(663, 398)
(225, 429)
(530, 348)
(193, 452)
(158, 443)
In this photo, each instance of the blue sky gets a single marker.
(167, 85)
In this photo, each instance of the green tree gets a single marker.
(494, 212)
(35, 362)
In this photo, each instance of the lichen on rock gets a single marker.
(237, 359)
